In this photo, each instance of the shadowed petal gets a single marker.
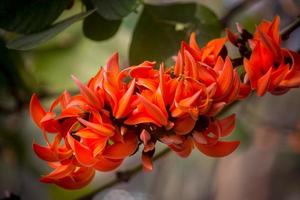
(184, 125)
(78, 179)
(220, 149)
(263, 83)
(104, 164)
(147, 162)
(121, 150)
(227, 125)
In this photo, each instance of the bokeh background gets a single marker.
(266, 165)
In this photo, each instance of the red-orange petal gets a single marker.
(78, 179)
(99, 128)
(193, 42)
(154, 110)
(87, 93)
(111, 70)
(147, 162)
(121, 150)
(227, 125)
(124, 101)
(83, 155)
(263, 83)
(225, 79)
(45, 153)
(37, 112)
(60, 172)
(184, 125)
(220, 149)
(104, 164)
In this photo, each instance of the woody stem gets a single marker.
(285, 33)
(123, 176)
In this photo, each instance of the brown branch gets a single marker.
(123, 176)
(285, 33)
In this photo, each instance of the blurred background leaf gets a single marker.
(30, 41)
(115, 9)
(96, 27)
(31, 15)
(160, 29)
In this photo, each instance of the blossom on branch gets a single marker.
(119, 110)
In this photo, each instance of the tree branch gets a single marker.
(123, 176)
(285, 33)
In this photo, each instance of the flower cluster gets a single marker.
(119, 110)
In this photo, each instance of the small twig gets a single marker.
(123, 176)
(285, 33)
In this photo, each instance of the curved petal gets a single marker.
(153, 110)
(184, 125)
(45, 153)
(123, 104)
(99, 128)
(140, 118)
(227, 125)
(88, 94)
(78, 179)
(263, 83)
(121, 150)
(37, 112)
(225, 79)
(193, 42)
(220, 149)
(111, 70)
(105, 164)
(184, 149)
(83, 154)
(147, 162)
(59, 172)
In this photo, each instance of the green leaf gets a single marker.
(160, 30)
(207, 23)
(97, 28)
(27, 42)
(115, 9)
(31, 15)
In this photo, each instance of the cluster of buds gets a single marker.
(119, 110)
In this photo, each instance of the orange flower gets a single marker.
(117, 110)
(194, 63)
(271, 68)
(90, 139)
(151, 107)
